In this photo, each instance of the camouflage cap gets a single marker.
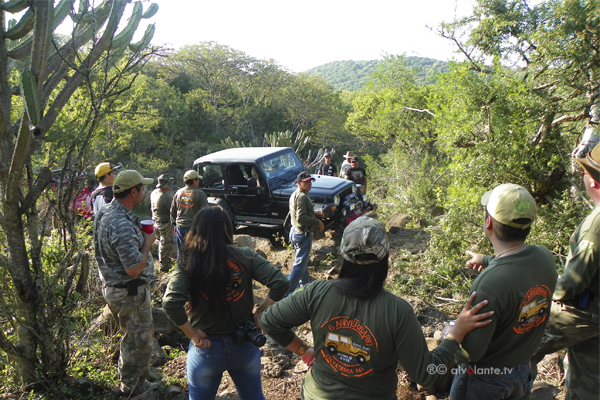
(364, 241)
(509, 202)
(164, 181)
(128, 179)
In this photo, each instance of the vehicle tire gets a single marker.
(522, 320)
(361, 359)
(542, 311)
(331, 349)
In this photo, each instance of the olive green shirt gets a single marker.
(186, 203)
(358, 343)
(160, 204)
(302, 211)
(245, 266)
(519, 289)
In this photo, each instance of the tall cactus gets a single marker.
(49, 76)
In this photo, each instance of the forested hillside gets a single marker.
(353, 75)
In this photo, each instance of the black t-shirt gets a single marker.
(357, 175)
(325, 169)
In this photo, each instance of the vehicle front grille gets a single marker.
(345, 192)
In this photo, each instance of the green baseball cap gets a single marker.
(364, 241)
(128, 179)
(509, 202)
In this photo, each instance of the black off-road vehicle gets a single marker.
(254, 185)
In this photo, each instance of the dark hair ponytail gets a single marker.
(204, 256)
(363, 282)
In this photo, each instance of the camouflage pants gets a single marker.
(166, 245)
(134, 315)
(579, 332)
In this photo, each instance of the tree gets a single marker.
(50, 73)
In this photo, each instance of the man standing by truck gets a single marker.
(302, 215)
(160, 204)
(186, 203)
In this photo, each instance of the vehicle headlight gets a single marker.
(336, 200)
(354, 188)
(345, 212)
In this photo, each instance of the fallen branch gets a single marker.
(445, 299)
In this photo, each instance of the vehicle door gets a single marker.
(212, 182)
(246, 189)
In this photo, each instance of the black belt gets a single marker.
(131, 286)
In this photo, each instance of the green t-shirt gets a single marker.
(581, 271)
(519, 289)
(358, 343)
(245, 266)
(186, 203)
(302, 211)
(160, 204)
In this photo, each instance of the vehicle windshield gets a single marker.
(282, 166)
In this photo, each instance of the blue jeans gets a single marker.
(205, 369)
(513, 384)
(299, 275)
(181, 232)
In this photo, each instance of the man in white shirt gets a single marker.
(103, 194)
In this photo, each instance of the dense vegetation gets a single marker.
(511, 113)
(353, 75)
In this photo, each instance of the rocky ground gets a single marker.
(283, 371)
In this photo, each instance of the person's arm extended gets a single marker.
(174, 210)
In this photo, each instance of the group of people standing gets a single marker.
(350, 169)
(522, 309)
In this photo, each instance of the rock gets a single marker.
(272, 370)
(431, 397)
(158, 357)
(253, 242)
(301, 367)
(437, 335)
(436, 211)
(162, 323)
(166, 340)
(106, 322)
(147, 395)
(174, 390)
(397, 221)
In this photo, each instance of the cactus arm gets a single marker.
(23, 27)
(124, 37)
(142, 44)
(15, 6)
(84, 5)
(88, 17)
(44, 16)
(150, 11)
(29, 92)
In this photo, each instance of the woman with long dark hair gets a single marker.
(360, 330)
(214, 278)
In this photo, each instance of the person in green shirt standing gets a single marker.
(518, 281)
(574, 314)
(160, 204)
(302, 215)
(186, 203)
(360, 330)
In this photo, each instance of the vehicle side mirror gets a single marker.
(251, 182)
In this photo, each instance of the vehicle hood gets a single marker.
(323, 186)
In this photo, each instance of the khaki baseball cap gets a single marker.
(104, 168)
(364, 241)
(191, 174)
(129, 178)
(591, 163)
(509, 202)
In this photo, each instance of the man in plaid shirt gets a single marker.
(126, 269)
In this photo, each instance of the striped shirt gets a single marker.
(118, 241)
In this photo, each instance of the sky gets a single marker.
(300, 35)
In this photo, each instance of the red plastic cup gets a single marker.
(147, 226)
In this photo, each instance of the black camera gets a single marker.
(247, 331)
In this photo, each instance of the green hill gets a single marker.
(352, 75)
